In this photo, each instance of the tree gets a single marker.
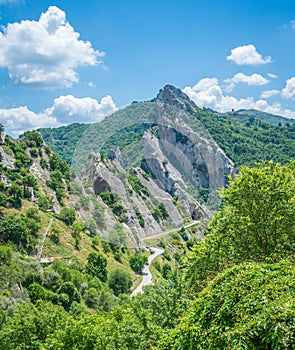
(16, 194)
(97, 266)
(68, 216)
(257, 220)
(91, 298)
(255, 223)
(31, 325)
(120, 281)
(34, 136)
(137, 262)
(14, 229)
(71, 291)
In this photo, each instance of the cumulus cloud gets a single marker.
(247, 55)
(208, 93)
(18, 120)
(65, 110)
(45, 53)
(288, 92)
(69, 109)
(272, 76)
(254, 79)
(269, 93)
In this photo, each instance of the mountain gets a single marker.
(245, 137)
(162, 169)
(269, 118)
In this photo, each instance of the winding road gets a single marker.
(147, 276)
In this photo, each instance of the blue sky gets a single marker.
(69, 61)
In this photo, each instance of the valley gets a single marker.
(161, 224)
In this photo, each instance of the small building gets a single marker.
(46, 260)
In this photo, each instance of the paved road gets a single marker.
(147, 276)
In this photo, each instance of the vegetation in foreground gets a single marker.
(234, 290)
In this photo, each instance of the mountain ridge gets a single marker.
(244, 138)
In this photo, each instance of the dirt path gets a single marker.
(39, 255)
(168, 232)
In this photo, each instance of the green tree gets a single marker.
(257, 220)
(97, 266)
(14, 229)
(16, 193)
(137, 262)
(255, 223)
(120, 281)
(31, 325)
(71, 291)
(91, 298)
(33, 136)
(68, 216)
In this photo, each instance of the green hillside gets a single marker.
(245, 139)
(124, 128)
(252, 140)
(270, 118)
(46, 251)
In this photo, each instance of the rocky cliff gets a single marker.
(181, 167)
(130, 201)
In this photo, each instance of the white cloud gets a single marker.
(289, 90)
(293, 24)
(254, 79)
(269, 93)
(248, 55)
(45, 53)
(65, 110)
(18, 120)
(208, 93)
(272, 76)
(69, 109)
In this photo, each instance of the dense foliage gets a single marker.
(249, 140)
(249, 306)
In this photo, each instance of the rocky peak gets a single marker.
(175, 97)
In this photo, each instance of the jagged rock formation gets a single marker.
(182, 150)
(175, 97)
(103, 175)
(180, 157)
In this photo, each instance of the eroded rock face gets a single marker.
(7, 160)
(179, 150)
(181, 158)
(201, 160)
(109, 175)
